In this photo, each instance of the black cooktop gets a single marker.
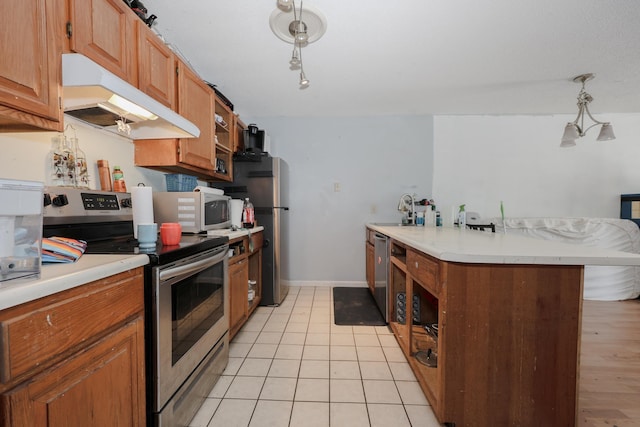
(117, 238)
(189, 245)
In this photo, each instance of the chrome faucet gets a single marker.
(408, 209)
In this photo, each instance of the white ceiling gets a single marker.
(415, 56)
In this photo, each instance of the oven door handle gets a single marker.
(193, 267)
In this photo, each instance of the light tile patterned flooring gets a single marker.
(292, 366)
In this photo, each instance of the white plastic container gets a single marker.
(20, 229)
(236, 212)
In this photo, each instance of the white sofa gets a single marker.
(603, 283)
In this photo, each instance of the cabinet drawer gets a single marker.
(425, 270)
(36, 334)
(256, 240)
(371, 236)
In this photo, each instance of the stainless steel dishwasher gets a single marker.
(381, 289)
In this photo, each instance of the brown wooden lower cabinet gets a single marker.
(507, 346)
(370, 266)
(84, 351)
(245, 265)
(238, 300)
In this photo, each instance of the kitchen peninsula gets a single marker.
(493, 332)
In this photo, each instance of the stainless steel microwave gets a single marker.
(196, 211)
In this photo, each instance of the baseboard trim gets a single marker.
(309, 283)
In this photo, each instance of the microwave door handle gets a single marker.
(189, 269)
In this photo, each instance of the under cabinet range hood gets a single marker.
(96, 96)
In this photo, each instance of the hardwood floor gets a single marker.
(610, 364)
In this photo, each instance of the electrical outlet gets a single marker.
(336, 187)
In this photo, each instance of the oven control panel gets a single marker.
(93, 202)
(86, 205)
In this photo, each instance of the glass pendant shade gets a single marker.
(570, 133)
(568, 143)
(606, 133)
(285, 4)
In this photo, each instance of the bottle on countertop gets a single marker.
(248, 214)
(82, 169)
(118, 180)
(105, 175)
(462, 217)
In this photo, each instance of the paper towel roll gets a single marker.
(236, 212)
(142, 206)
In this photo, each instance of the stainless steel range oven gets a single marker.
(186, 298)
(190, 332)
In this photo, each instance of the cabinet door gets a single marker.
(195, 103)
(30, 69)
(104, 30)
(370, 266)
(238, 294)
(102, 386)
(156, 67)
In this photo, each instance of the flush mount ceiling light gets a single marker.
(298, 26)
(576, 129)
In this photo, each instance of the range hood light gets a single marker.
(129, 106)
(96, 96)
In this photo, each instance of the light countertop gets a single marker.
(473, 246)
(59, 277)
(234, 234)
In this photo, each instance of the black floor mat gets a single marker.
(355, 306)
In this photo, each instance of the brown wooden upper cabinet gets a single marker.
(225, 136)
(30, 69)
(195, 103)
(156, 67)
(238, 144)
(105, 31)
(198, 103)
(192, 156)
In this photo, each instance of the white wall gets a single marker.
(481, 160)
(476, 160)
(373, 160)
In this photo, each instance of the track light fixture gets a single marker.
(576, 129)
(300, 26)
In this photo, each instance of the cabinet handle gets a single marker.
(416, 264)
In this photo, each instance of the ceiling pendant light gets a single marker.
(295, 59)
(304, 82)
(303, 79)
(300, 26)
(576, 129)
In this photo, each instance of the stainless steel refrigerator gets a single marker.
(265, 180)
